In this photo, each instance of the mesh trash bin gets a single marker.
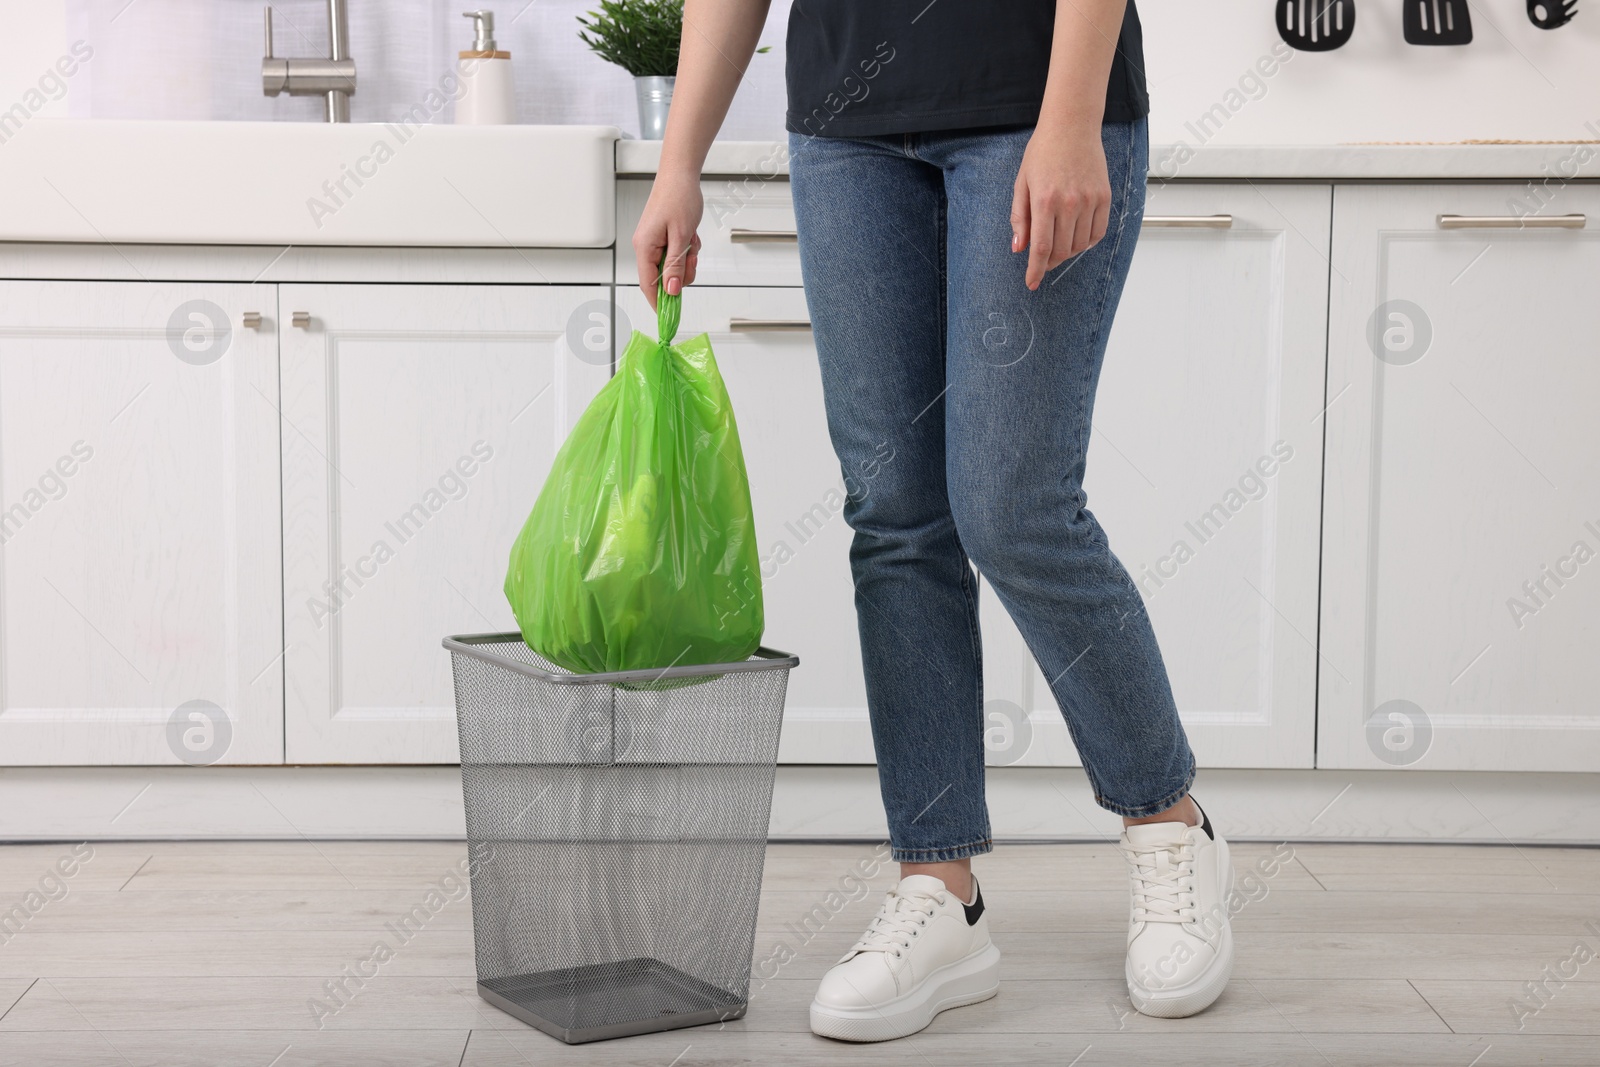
(618, 828)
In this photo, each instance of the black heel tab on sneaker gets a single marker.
(975, 909)
(1205, 822)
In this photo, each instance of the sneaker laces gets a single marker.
(896, 924)
(1163, 882)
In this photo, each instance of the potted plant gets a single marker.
(641, 37)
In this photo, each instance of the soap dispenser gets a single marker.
(487, 95)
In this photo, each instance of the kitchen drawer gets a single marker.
(746, 234)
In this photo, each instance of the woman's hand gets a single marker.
(719, 37)
(1062, 202)
(671, 217)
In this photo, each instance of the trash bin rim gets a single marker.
(766, 659)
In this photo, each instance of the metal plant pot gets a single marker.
(655, 96)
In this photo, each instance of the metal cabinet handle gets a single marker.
(740, 235)
(1191, 222)
(1512, 222)
(302, 319)
(251, 320)
(758, 325)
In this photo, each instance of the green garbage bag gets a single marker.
(640, 551)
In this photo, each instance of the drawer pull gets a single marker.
(251, 320)
(740, 235)
(1191, 222)
(301, 320)
(1512, 222)
(761, 325)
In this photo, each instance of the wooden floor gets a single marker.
(177, 954)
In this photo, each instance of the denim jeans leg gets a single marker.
(1022, 371)
(871, 221)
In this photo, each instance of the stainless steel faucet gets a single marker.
(334, 77)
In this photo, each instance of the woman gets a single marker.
(968, 183)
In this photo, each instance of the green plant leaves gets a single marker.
(640, 36)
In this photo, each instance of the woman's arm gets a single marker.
(719, 37)
(1062, 201)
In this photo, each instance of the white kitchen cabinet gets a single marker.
(1204, 468)
(1461, 538)
(796, 489)
(140, 612)
(178, 540)
(419, 423)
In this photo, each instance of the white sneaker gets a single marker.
(925, 951)
(1180, 945)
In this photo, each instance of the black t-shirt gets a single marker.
(863, 67)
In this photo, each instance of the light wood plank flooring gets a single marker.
(209, 953)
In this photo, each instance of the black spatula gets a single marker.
(1437, 22)
(1315, 25)
(1551, 14)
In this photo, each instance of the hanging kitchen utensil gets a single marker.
(1437, 22)
(1551, 14)
(1316, 25)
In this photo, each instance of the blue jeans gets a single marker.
(959, 405)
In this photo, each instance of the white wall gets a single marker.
(1514, 82)
(32, 37)
(200, 59)
(197, 59)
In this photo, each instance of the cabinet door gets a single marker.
(419, 422)
(1461, 571)
(139, 583)
(796, 489)
(1204, 468)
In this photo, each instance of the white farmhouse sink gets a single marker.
(308, 184)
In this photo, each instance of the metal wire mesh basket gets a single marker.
(617, 829)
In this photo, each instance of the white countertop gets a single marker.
(550, 187)
(1413, 162)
